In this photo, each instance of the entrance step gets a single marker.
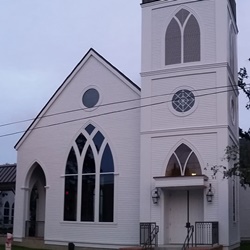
(168, 247)
(217, 247)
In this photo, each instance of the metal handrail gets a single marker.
(148, 234)
(188, 238)
(153, 235)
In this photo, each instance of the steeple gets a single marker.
(189, 69)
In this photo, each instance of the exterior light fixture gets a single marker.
(210, 194)
(155, 195)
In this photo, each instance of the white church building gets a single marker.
(105, 159)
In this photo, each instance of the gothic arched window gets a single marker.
(173, 43)
(182, 42)
(89, 179)
(232, 49)
(6, 213)
(71, 180)
(183, 162)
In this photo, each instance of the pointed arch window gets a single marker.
(71, 180)
(88, 186)
(182, 41)
(173, 43)
(232, 49)
(6, 213)
(90, 170)
(183, 162)
(106, 186)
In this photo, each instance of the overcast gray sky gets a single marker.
(41, 42)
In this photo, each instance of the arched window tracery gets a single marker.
(183, 162)
(182, 41)
(89, 179)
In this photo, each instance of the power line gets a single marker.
(107, 113)
(103, 105)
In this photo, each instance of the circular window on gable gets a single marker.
(183, 100)
(90, 98)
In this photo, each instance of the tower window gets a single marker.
(183, 162)
(182, 42)
(192, 40)
(173, 43)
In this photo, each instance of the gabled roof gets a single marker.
(7, 177)
(91, 52)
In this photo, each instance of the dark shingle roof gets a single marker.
(7, 176)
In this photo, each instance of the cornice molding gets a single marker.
(184, 69)
(190, 130)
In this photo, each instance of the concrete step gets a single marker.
(169, 247)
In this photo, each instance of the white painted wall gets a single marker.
(50, 148)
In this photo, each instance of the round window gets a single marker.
(90, 98)
(183, 100)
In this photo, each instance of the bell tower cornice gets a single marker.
(232, 4)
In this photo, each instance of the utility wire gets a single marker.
(103, 105)
(107, 113)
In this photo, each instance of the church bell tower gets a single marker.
(189, 112)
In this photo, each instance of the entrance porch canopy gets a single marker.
(181, 182)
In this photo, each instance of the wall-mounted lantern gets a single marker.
(155, 195)
(210, 194)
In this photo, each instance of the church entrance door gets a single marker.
(182, 206)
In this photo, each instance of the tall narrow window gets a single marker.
(192, 40)
(234, 201)
(173, 43)
(88, 187)
(70, 193)
(6, 213)
(182, 42)
(93, 165)
(106, 200)
(232, 49)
